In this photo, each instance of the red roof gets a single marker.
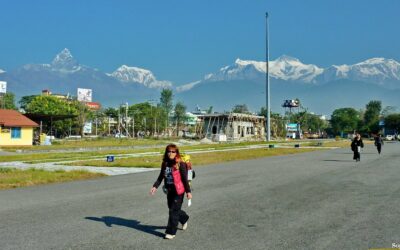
(13, 118)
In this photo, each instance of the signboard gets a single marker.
(290, 104)
(292, 127)
(84, 95)
(3, 87)
(93, 105)
(87, 129)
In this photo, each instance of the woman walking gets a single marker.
(174, 173)
(378, 143)
(356, 146)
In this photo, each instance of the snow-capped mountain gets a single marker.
(243, 82)
(64, 60)
(385, 72)
(375, 70)
(285, 67)
(64, 75)
(128, 74)
(292, 69)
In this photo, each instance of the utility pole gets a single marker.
(268, 99)
(119, 120)
(133, 125)
(109, 126)
(126, 119)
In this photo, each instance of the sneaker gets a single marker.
(169, 236)
(184, 226)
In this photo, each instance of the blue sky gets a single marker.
(183, 40)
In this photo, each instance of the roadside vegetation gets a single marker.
(89, 142)
(37, 157)
(197, 159)
(13, 178)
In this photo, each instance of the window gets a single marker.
(15, 133)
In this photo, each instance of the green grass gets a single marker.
(13, 178)
(90, 142)
(197, 159)
(66, 156)
(74, 155)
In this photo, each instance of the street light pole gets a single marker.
(268, 99)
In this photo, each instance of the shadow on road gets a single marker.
(110, 220)
(340, 160)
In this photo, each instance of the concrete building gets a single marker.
(232, 127)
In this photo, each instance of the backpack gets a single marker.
(191, 174)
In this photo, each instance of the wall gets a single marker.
(26, 138)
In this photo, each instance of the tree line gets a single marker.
(155, 118)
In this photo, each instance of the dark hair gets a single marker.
(171, 147)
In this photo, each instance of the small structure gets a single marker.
(15, 128)
(232, 127)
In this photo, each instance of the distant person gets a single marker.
(356, 146)
(378, 143)
(174, 173)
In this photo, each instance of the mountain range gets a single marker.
(321, 90)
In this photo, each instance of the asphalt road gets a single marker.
(316, 200)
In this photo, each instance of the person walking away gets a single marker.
(174, 173)
(378, 143)
(356, 146)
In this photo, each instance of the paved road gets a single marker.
(316, 200)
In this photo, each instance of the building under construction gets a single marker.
(231, 127)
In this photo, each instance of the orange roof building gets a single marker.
(15, 128)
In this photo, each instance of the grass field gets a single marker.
(89, 142)
(37, 157)
(197, 159)
(12, 178)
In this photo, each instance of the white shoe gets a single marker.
(169, 236)
(184, 226)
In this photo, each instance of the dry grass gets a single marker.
(197, 159)
(89, 142)
(13, 178)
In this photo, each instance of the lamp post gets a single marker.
(268, 99)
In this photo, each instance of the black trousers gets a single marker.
(356, 155)
(379, 147)
(176, 214)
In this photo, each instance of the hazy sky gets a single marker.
(182, 40)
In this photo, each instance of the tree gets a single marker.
(166, 100)
(345, 120)
(53, 106)
(147, 117)
(241, 108)
(277, 123)
(371, 117)
(50, 105)
(388, 110)
(8, 100)
(392, 121)
(166, 104)
(111, 112)
(180, 115)
(25, 100)
(308, 121)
